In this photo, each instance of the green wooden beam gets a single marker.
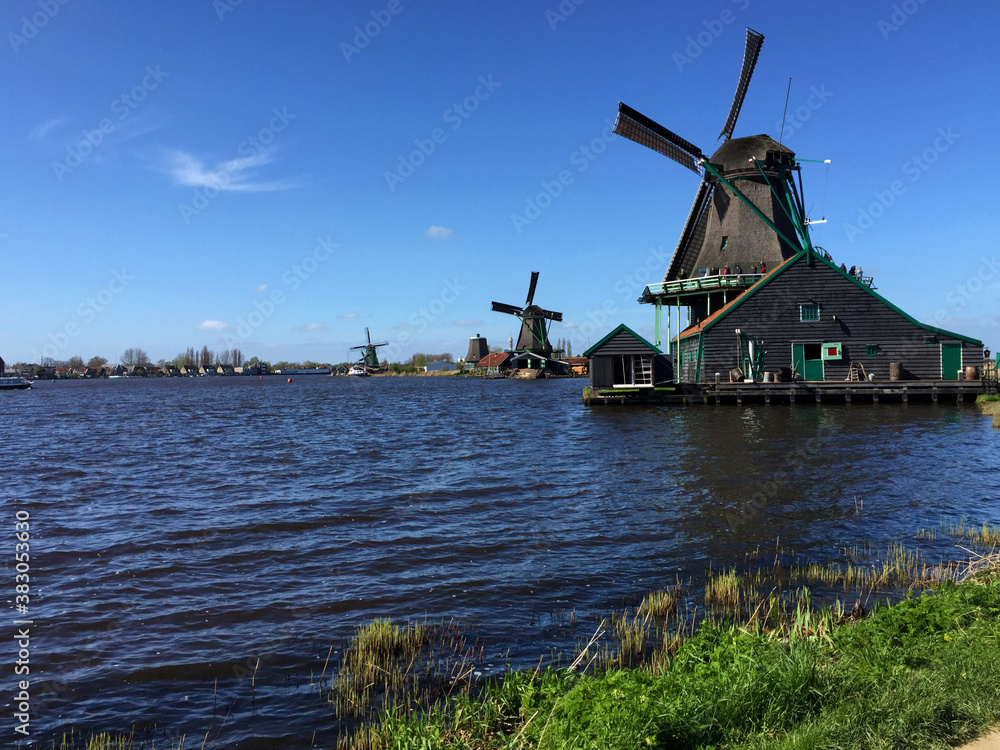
(749, 204)
(656, 326)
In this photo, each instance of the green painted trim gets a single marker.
(749, 203)
(774, 192)
(701, 353)
(620, 328)
(795, 259)
(657, 323)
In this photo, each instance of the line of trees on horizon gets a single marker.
(205, 357)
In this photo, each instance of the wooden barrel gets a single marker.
(894, 371)
(971, 373)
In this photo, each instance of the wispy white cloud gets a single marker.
(347, 316)
(212, 325)
(228, 176)
(40, 132)
(312, 327)
(136, 126)
(438, 233)
(261, 287)
(468, 322)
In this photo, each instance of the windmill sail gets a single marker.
(639, 128)
(547, 314)
(505, 308)
(693, 235)
(531, 289)
(750, 54)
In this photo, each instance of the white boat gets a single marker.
(358, 371)
(14, 383)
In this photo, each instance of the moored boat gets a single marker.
(14, 383)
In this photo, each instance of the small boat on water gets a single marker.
(14, 383)
(358, 371)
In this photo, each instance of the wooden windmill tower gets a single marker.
(533, 339)
(747, 212)
(369, 357)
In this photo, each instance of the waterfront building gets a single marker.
(759, 301)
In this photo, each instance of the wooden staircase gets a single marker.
(857, 372)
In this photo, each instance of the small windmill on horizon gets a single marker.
(535, 321)
(369, 357)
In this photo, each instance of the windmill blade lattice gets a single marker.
(694, 232)
(750, 53)
(505, 308)
(639, 128)
(531, 289)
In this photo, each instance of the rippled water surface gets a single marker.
(187, 532)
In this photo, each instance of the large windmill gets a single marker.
(534, 335)
(369, 357)
(757, 215)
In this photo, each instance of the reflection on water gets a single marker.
(189, 534)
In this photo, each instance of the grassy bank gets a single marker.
(990, 404)
(922, 673)
(761, 655)
(748, 663)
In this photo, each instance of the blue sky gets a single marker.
(279, 176)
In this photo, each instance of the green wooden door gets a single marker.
(951, 361)
(807, 360)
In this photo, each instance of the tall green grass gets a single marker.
(922, 673)
(750, 661)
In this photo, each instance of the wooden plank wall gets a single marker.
(861, 320)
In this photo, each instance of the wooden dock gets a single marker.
(826, 392)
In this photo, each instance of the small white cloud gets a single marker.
(347, 316)
(41, 131)
(569, 324)
(468, 322)
(261, 287)
(312, 327)
(229, 176)
(438, 233)
(212, 325)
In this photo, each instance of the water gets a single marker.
(190, 537)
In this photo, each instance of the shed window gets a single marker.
(808, 312)
(871, 350)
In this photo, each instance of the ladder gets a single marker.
(852, 373)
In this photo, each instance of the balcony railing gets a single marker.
(699, 285)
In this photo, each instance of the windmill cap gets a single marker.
(735, 154)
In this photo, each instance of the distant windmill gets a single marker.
(534, 336)
(369, 358)
(757, 217)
